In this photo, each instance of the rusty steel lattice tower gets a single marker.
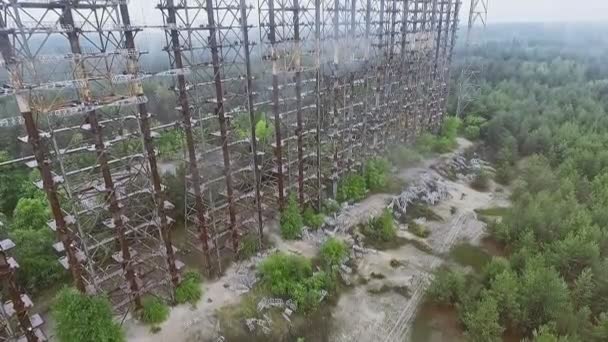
(323, 88)
(209, 50)
(467, 86)
(87, 124)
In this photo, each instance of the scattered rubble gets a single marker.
(263, 323)
(245, 274)
(429, 189)
(462, 166)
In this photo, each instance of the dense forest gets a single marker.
(540, 116)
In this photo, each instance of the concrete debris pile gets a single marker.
(317, 237)
(429, 190)
(345, 273)
(289, 307)
(461, 166)
(358, 252)
(267, 303)
(245, 273)
(264, 324)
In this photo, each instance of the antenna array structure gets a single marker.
(84, 111)
(468, 81)
(285, 109)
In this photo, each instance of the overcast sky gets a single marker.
(500, 11)
(544, 10)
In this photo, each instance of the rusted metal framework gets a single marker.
(289, 80)
(16, 324)
(326, 86)
(209, 49)
(90, 133)
(468, 82)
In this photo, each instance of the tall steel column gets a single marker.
(174, 49)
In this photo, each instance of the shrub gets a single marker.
(330, 206)
(418, 230)
(83, 318)
(375, 173)
(425, 143)
(312, 219)
(291, 276)
(279, 271)
(444, 145)
(403, 156)
(332, 252)
(291, 220)
(352, 188)
(472, 132)
(481, 181)
(153, 311)
(263, 131)
(450, 127)
(448, 287)
(169, 143)
(381, 228)
(189, 290)
(307, 293)
(504, 174)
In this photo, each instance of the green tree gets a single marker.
(291, 220)
(544, 295)
(12, 180)
(30, 213)
(332, 252)
(39, 266)
(84, 318)
(482, 321)
(448, 287)
(505, 289)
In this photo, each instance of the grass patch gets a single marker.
(401, 290)
(393, 185)
(312, 219)
(403, 156)
(381, 228)
(418, 229)
(250, 246)
(494, 211)
(418, 210)
(153, 311)
(420, 245)
(189, 290)
(469, 255)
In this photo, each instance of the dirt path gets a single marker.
(388, 317)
